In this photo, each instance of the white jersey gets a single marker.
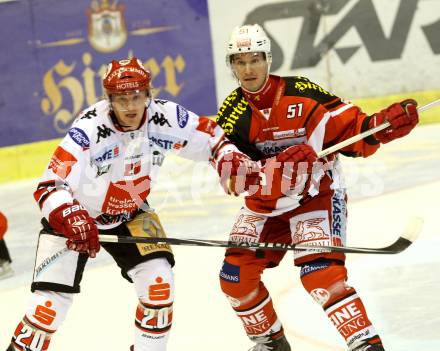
(109, 171)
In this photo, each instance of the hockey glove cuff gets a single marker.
(237, 173)
(403, 117)
(75, 223)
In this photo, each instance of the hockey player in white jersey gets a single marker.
(98, 181)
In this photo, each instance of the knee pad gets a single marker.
(45, 312)
(235, 281)
(242, 286)
(154, 281)
(48, 309)
(154, 284)
(325, 281)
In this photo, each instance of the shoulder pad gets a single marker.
(233, 108)
(302, 86)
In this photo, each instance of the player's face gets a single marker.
(250, 69)
(129, 108)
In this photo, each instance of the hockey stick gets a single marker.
(369, 132)
(355, 138)
(410, 233)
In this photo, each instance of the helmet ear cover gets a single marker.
(126, 76)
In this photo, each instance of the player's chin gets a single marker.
(251, 85)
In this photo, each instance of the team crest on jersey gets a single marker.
(107, 29)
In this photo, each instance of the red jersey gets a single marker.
(297, 112)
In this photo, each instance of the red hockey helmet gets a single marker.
(125, 76)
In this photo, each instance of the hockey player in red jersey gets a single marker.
(5, 259)
(283, 122)
(98, 181)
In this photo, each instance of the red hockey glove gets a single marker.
(298, 153)
(296, 159)
(281, 171)
(402, 116)
(75, 223)
(237, 173)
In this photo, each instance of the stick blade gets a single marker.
(413, 228)
(410, 233)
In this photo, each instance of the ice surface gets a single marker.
(400, 291)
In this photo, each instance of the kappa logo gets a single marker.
(159, 119)
(160, 101)
(104, 132)
(89, 114)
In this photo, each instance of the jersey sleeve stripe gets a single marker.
(311, 114)
(333, 104)
(371, 140)
(340, 110)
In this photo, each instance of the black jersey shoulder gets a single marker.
(302, 86)
(235, 113)
(234, 117)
